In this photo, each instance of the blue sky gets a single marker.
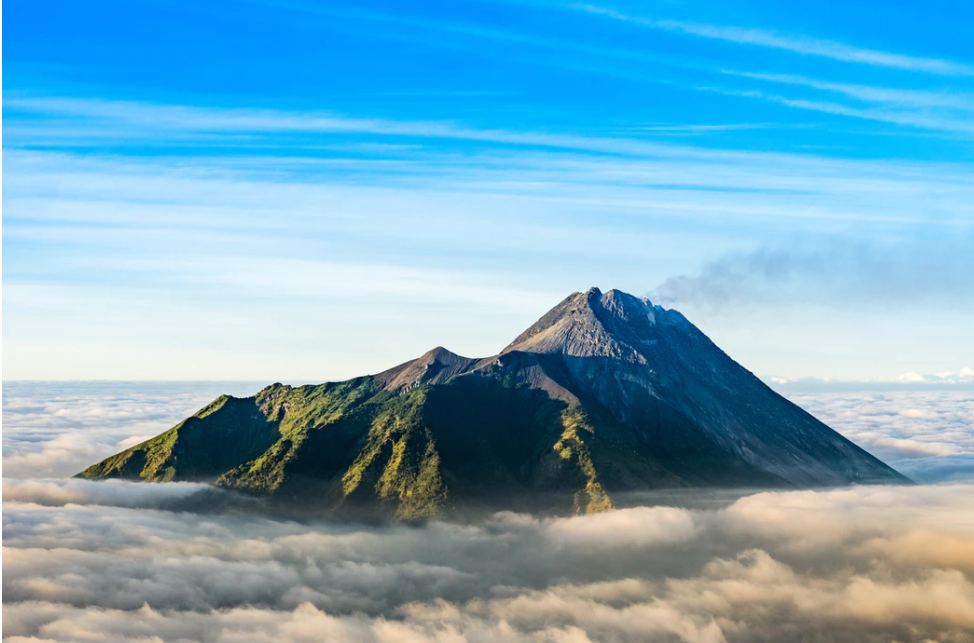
(304, 191)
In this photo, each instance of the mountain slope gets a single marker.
(640, 361)
(604, 394)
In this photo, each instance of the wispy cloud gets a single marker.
(229, 120)
(912, 118)
(74, 120)
(942, 110)
(915, 98)
(796, 44)
(339, 218)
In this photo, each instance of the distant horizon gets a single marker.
(799, 385)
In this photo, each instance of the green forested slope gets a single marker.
(479, 440)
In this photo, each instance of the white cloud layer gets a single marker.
(110, 493)
(926, 434)
(865, 564)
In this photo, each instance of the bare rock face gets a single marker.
(606, 393)
(613, 325)
(434, 367)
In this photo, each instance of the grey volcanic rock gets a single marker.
(434, 367)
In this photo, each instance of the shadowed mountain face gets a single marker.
(604, 394)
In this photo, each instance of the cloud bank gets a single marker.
(927, 435)
(110, 493)
(865, 564)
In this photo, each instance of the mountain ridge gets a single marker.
(605, 393)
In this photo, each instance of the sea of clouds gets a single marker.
(86, 561)
(926, 434)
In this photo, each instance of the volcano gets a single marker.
(605, 394)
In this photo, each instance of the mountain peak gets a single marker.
(433, 367)
(612, 324)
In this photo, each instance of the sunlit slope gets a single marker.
(201, 447)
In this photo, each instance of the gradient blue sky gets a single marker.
(304, 191)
